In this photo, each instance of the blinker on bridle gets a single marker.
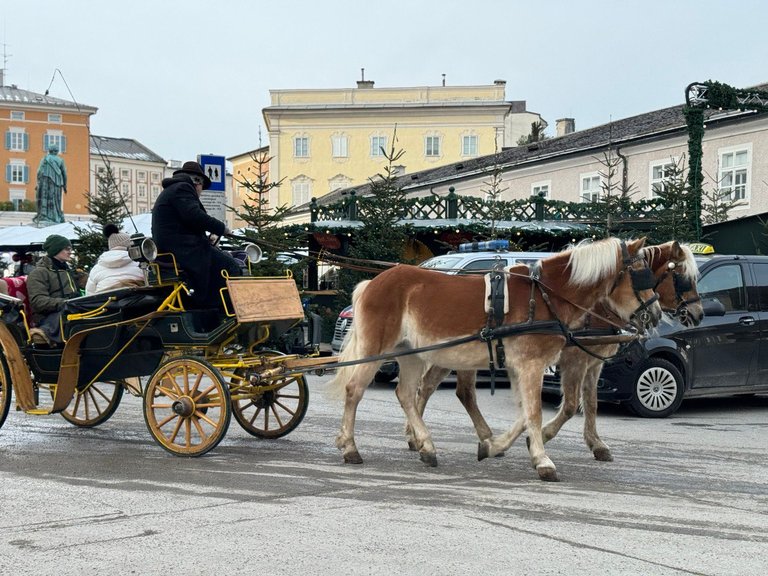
(682, 284)
(642, 279)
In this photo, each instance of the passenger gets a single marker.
(114, 268)
(179, 226)
(50, 285)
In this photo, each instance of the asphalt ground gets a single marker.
(685, 495)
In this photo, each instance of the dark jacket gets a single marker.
(49, 288)
(179, 226)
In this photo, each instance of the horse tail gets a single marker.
(349, 351)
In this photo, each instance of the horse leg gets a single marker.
(361, 376)
(497, 445)
(411, 370)
(429, 383)
(530, 392)
(467, 394)
(572, 370)
(598, 448)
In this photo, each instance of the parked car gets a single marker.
(472, 258)
(726, 354)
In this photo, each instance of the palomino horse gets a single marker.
(421, 313)
(675, 271)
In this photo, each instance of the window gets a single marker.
(17, 172)
(661, 174)
(125, 174)
(432, 146)
(142, 190)
(725, 283)
(141, 176)
(17, 197)
(339, 182)
(125, 189)
(301, 188)
(734, 174)
(301, 147)
(17, 115)
(469, 145)
(54, 138)
(378, 146)
(540, 189)
(54, 118)
(590, 188)
(17, 140)
(339, 144)
(155, 177)
(155, 192)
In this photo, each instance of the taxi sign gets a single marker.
(701, 248)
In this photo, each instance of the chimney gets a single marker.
(363, 83)
(565, 126)
(500, 82)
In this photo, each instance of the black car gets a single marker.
(726, 354)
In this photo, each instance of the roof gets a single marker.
(656, 124)
(13, 94)
(125, 148)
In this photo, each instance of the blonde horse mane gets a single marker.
(593, 261)
(688, 268)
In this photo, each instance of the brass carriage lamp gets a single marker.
(142, 249)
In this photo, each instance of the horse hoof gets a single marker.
(548, 474)
(603, 455)
(482, 451)
(429, 458)
(353, 458)
(499, 455)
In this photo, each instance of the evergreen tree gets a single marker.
(536, 135)
(265, 221)
(674, 222)
(108, 206)
(381, 237)
(493, 192)
(615, 193)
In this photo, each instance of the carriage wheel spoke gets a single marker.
(188, 431)
(204, 417)
(284, 407)
(203, 435)
(255, 415)
(176, 430)
(166, 420)
(199, 379)
(201, 394)
(277, 417)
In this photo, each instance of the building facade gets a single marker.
(326, 140)
(32, 122)
(138, 172)
(642, 150)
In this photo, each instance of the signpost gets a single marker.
(214, 199)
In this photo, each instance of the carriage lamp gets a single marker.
(142, 249)
(253, 253)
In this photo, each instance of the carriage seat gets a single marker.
(16, 286)
(127, 303)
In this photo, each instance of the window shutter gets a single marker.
(63, 144)
(45, 142)
(7, 172)
(26, 141)
(8, 140)
(26, 174)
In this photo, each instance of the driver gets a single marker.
(179, 226)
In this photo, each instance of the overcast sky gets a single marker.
(185, 77)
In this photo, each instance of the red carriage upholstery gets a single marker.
(16, 286)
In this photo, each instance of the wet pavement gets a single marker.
(685, 495)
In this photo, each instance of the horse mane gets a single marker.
(688, 268)
(593, 261)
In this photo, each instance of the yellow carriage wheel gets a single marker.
(5, 389)
(275, 412)
(187, 406)
(95, 404)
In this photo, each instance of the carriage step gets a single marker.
(38, 411)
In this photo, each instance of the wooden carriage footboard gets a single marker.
(19, 371)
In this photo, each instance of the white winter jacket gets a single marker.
(114, 269)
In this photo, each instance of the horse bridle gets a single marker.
(642, 279)
(682, 284)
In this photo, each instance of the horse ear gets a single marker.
(677, 251)
(641, 242)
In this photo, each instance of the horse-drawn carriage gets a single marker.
(194, 368)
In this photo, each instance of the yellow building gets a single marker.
(324, 140)
(30, 123)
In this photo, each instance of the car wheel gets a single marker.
(658, 389)
(384, 377)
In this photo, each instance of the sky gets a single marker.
(189, 77)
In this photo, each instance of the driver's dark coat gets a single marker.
(179, 225)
